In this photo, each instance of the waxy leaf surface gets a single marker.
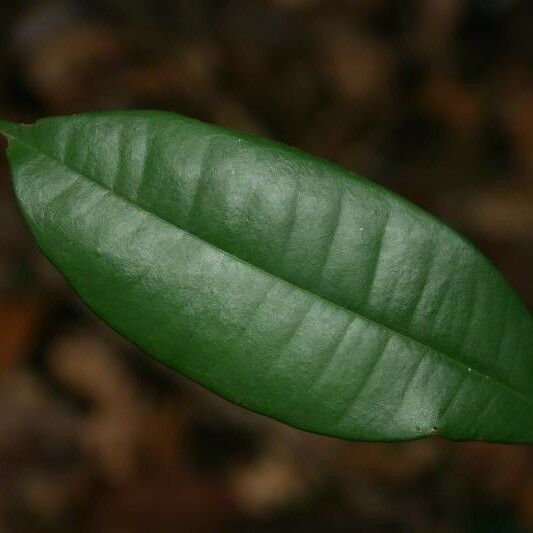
(281, 281)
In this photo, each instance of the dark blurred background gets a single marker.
(434, 99)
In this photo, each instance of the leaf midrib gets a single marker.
(467, 368)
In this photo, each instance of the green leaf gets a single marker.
(282, 282)
(8, 128)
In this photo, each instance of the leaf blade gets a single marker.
(260, 205)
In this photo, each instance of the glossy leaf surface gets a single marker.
(281, 281)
